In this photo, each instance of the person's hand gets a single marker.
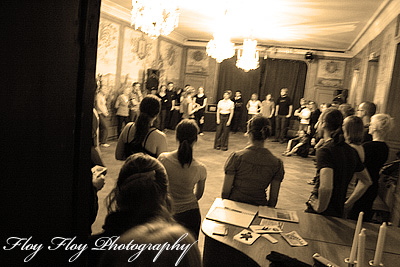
(288, 116)
(172, 108)
(98, 182)
(228, 123)
(218, 121)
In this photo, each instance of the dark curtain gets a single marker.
(232, 78)
(279, 73)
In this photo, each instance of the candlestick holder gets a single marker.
(350, 264)
(372, 263)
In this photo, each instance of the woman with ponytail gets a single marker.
(141, 136)
(184, 174)
(337, 162)
(140, 196)
(250, 171)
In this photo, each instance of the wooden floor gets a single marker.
(293, 193)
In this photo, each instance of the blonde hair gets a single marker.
(383, 124)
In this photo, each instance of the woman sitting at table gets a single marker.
(250, 171)
(186, 176)
(141, 136)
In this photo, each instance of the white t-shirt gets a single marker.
(182, 181)
(226, 106)
(253, 106)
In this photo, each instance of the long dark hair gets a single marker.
(259, 127)
(149, 109)
(186, 133)
(141, 193)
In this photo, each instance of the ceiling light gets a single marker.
(155, 17)
(248, 59)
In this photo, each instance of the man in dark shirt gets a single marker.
(337, 162)
(283, 111)
(238, 112)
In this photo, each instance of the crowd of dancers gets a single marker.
(160, 188)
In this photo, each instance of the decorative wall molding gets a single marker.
(386, 13)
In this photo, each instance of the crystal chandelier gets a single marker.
(155, 17)
(220, 47)
(248, 59)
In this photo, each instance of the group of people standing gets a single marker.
(176, 104)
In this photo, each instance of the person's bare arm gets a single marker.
(290, 111)
(162, 146)
(273, 193)
(276, 110)
(364, 181)
(227, 186)
(325, 189)
(200, 189)
(218, 115)
(230, 117)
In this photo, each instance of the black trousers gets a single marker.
(103, 125)
(222, 134)
(281, 126)
(198, 117)
(191, 219)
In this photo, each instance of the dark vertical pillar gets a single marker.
(48, 57)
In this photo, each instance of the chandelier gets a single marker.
(155, 17)
(220, 47)
(248, 59)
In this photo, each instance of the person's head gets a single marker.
(346, 109)
(254, 96)
(170, 86)
(325, 106)
(141, 192)
(238, 93)
(186, 133)
(381, 124)
(312, 106)
(331, 121)
(366, 109)
(353, 130)
(201, 90)
(153, 91)
(268, 97)
(227, 94)
(163, 88)
(155, 232)
(259, 128)
(136, 86)
(149, 109)
(186, 86)
(284, 92)
(303, 101)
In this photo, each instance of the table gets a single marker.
(329, 236)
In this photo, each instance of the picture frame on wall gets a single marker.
(197, 61)
(331, 73)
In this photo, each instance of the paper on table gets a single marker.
(232, 212)
(278, 214)
(230, 216)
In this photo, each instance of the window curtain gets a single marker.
(279, 73)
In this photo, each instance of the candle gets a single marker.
(380, 244)
(361, 249)
(355, 238)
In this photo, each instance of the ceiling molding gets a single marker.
(386, 13)
(112, 9)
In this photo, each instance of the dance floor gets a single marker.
(294, 190)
